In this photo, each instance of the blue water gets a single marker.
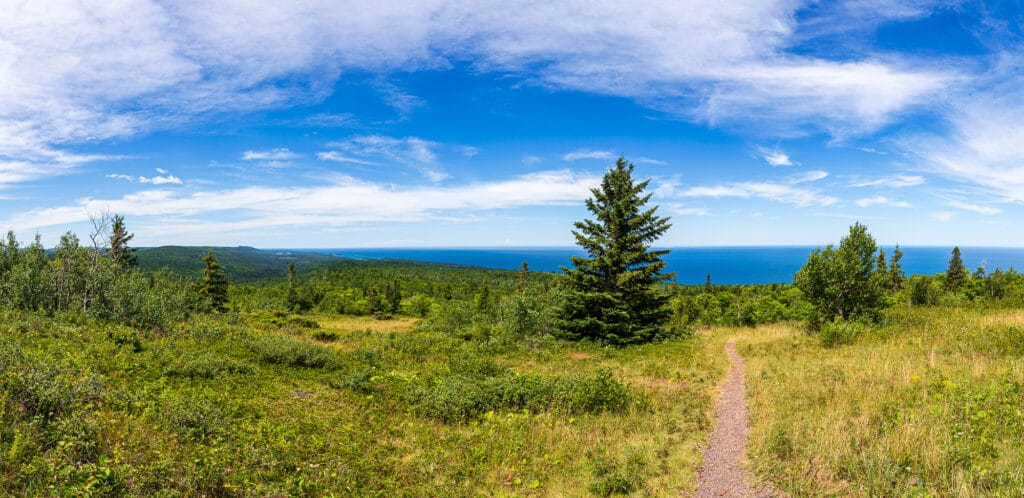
(726, 265)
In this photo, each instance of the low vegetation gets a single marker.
(263, 405)
(927, 403)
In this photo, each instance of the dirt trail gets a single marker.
(722, 473)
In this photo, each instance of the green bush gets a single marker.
(196, 416)
(618, 475)
(283, 351)
(205, 365)
(458, 398)
(45, 388)
(838, 332)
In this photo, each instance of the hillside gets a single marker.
(242, 264)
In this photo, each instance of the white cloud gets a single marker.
(681, 210)
(410, 151)
(895, 181)
(81, 72)
(282, 154)
(943, 215)
(345, 201)
(966, 206)
(776, 157)
(601, 155)
(647, 160)
(810, 176)
(161, 180)
(468, 151)
(161, 171)
(778, 192)
(121, 177)
(984, 147)
(333, 155)
(879, 200)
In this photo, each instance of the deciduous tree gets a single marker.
(843, 283)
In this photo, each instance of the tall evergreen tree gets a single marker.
(956, 274)
(611, 295)
(213, 288)
(122, 255)
(897, 278)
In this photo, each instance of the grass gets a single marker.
(928, 404)
(256, 405)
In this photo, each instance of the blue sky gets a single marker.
(485, 123)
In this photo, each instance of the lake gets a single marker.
(726, 265)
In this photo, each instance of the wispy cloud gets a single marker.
(161, 180)
(154, 180)
(346, 201)
(73, 79)
(791, 191)
(418, 153)
(282, 154)
(895, 181)
(976, 208)
(778, 192)
(810, 176)
(880, 200)
(333, 155)
(601, 155)
(776, 157)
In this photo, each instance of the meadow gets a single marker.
(276, 404)
(407, 379)
(928, 403)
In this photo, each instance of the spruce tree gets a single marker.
(611, 295)
(213, 288)
(120, 253)
(896, 275)
(956, 274)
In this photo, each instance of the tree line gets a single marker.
(617, 294)
(102, 279)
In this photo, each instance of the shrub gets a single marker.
(282, 351)
(839, 332)
(194, 415)
(205, 365)
(457, 398)
(618, 475)
(45, 388)
(325, 335)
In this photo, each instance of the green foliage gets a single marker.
(618, 475)
(742, 305)
(956, 274)
(843, 283)
(283, 351)
(213, 287)
(459, 397)
(840, 332)
(924, 291)
(120, 254)
(241, 264)
(611, 294)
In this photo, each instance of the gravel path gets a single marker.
(722, 473)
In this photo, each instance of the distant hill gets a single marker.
(240, 263)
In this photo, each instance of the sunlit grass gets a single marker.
(251, 406)
(929, 404)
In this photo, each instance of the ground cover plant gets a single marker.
(256, 404)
